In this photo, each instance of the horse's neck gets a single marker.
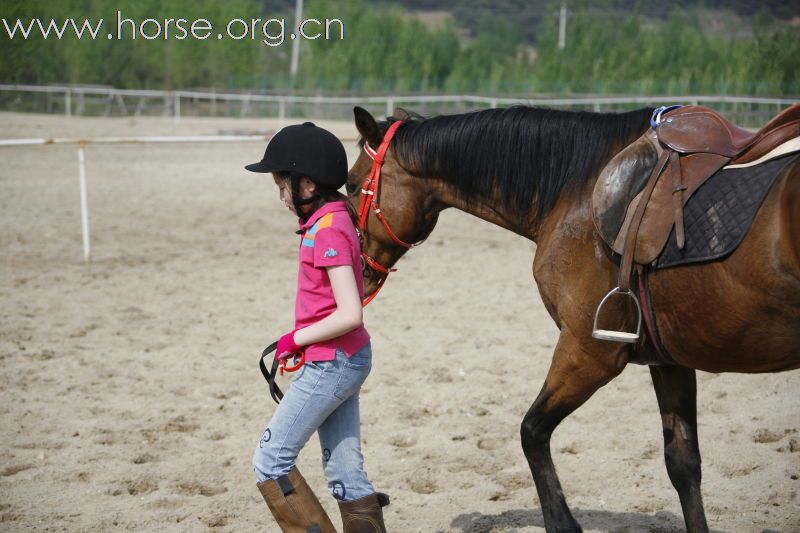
(572, 209)
(488, 209)
(568, 209)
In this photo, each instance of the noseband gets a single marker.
(370, 191)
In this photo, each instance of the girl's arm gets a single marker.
(348, 314)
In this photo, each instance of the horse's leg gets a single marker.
(574, 375)
(676, 390)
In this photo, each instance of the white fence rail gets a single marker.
(73, 100)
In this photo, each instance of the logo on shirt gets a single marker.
(330, 252)
(325, 222)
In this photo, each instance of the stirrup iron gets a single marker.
(618, 336)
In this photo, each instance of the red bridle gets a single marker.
(369, 199)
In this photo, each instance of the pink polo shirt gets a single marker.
(329, 239)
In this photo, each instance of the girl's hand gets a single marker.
(287, 346)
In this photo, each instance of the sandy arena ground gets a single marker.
(132, 401)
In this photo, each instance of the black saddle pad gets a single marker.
(718, 215)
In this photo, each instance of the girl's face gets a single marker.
(307, 188)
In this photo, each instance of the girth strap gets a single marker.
(649, 314)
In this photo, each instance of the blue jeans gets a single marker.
(323, 397)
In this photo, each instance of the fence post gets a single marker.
(84, 201)
(68, 103)
(389, 106)
(281, 112)
(177, 107)
(317, 107)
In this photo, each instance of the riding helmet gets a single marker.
(307, 150)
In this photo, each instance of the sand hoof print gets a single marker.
(216, 520)
(766, 436)
(195, 488)
(16, 469)
(143, 458)
(422, 481)
(135, 487)
(402, 441)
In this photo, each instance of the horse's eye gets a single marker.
(351, 187)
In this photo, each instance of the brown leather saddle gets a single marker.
(639, 196)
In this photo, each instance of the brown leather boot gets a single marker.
(364, 515)
(294, 505)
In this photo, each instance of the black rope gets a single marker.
(274, 390)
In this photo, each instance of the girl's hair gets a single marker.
(325, 195)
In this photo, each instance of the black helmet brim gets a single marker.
(261, 167)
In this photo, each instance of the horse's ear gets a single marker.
(366, 125)
(401, 114)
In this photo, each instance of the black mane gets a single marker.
(526, 155)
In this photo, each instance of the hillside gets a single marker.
(506, 47)
(527, 16)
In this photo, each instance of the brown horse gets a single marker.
(532, 172)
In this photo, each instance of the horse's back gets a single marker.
(740, 314)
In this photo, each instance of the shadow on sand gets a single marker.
(614, 522)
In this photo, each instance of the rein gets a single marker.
(369, 201)
(278, 367)
(274, 390)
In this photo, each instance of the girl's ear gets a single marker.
(308, 185)
(366, 125)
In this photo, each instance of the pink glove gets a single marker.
(287, 346)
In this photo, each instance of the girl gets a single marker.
(309, 165)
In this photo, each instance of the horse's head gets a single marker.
(396, 209)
